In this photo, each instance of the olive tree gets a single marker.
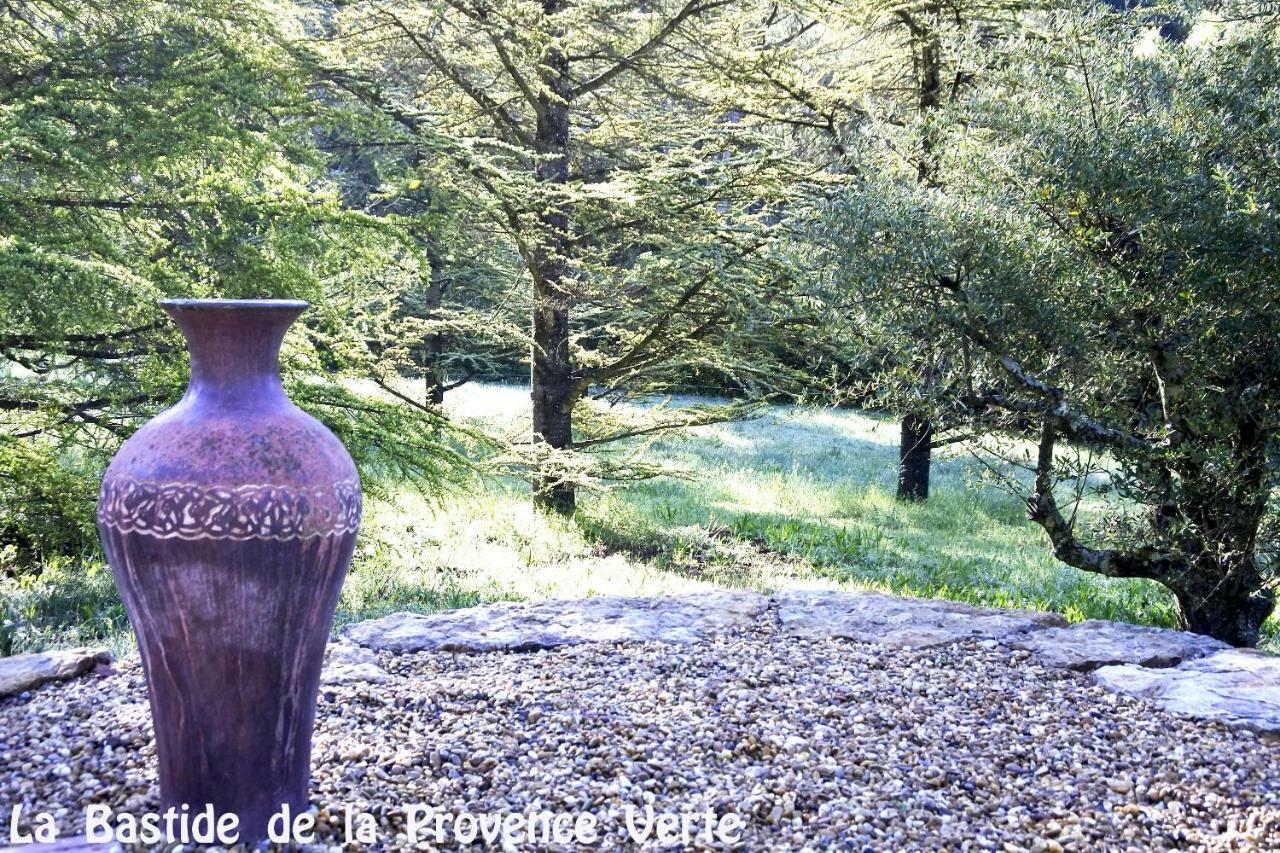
(1101, 253)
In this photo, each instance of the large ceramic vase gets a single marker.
(229, 521)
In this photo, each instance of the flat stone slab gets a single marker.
(869, 617)
(549, 624)
(345, 663)
(1085, 646)
(1239, 687)
(23, 672)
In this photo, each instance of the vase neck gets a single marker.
(235, 349)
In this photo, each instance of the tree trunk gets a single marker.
(1224, 593)
(915, 451)
(433, 345)
(1204, 548)
(1231, 609)
(552, 418)
(551, 375)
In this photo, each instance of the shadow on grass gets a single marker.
(411, 598)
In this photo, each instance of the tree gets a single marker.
(447, 307)
(919, 66)
(150, 150)
(1102, 259)
(638, 205)
(862, 87)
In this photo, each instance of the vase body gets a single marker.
(229, 522)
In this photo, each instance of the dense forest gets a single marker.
(1042, 235)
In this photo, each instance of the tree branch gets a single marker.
(651, 430)
(635, 355)
(1075, 424)
(689, 10)
(29, 342)
(75, 411)
(487, 104)
(514, 73)
(1042, 508)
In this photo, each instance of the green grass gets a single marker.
(800, 497)
(71, 603)
(813, 490)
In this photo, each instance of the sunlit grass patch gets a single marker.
(70, 603)
(816, 487)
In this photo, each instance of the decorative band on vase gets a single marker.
(191, 511)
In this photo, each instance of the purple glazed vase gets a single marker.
(229, 522)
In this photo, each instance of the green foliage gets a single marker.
(149, 150)
(73, 602)
(1100, 266)
(611, 170)
(1047, 229)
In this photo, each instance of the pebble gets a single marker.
(1120, 786)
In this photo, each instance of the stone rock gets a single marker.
(545, 625)
(870, 617)
(1239, 687)
(23, 672)
(1088, 645)
(345, 663)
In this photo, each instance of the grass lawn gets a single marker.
(800, 497)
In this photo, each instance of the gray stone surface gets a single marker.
(912, 622)
(346, 662)
(23, 672)
(1210, 681)
(548, 624)
(1088, 645)
(1239, 687)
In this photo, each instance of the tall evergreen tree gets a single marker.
(150, 150)
(861, 89)
(637, 203)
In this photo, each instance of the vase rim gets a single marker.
(291, 304)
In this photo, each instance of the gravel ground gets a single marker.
(816, 745)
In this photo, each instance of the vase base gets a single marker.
(232, 636)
